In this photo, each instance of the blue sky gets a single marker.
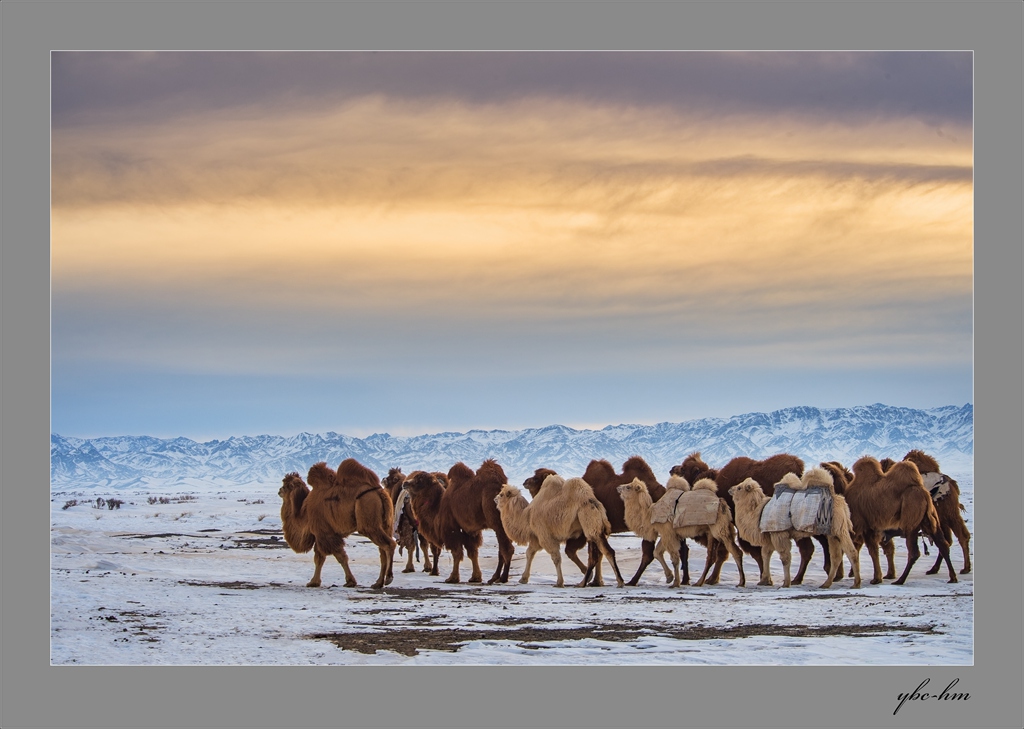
(418, 242)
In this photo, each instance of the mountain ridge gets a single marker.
(812, 433)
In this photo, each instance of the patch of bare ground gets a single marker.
(410, 641)
(236, 585)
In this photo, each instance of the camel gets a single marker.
(601, 477)
(750, 501)
(467, 508)
(563, 509)
(895, 499)
(340, 503)
(425, 490)
(693, 468)
(767, 473)
(639, 509)
(405, 531)
(947, 506)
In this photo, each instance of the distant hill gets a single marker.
(814, 434)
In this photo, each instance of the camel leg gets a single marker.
(531, 550)
(556, 559)
(709, 562)
(948, 534)
(786, 555)
(384, 578)
(318, 563)
(435, 568)
(505, 551)
(806, 547)
(473, 551)
(684, 556)
(572, 546)
(766, 565)
(659, 554)
(853, 554)
(609, 554)
(890, 558)
(871, 542)
(913, 554)
(592, 560)
(409, 566)
(835, 560)
(342, 557)
(673, 551)
(737, 554)
(826, 552)
(598, 580)
(720, 555)
(454, 578)
(943, 544)
(647, 551)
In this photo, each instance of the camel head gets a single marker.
(290, 483)
(886, 464)
(534, 482)
(631, 489)
(394, 476)
(419, 482)
(746, 488)
(508, 492)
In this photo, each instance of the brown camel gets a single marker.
(947, 505)
(340, 503)
(693, 469)
(406, 534)
(767, 473)
(750, 502)
(562, 510)
(425, 490)
(640, 515)
(895, 499)
(467, 508)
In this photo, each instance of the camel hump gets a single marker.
(599, 472)
(791, 480)
(867, 464)
(552, 482)
(905, 472)
(459, 472)
(353, 473)
(705, 484)
(491, 473)
(678, 483)
(322, 475)
(818, 477)
(577, 487)
(924, 462)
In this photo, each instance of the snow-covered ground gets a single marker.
(206, 579)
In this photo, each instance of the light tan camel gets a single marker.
(562, 510)
(750, 501)
(340, 503)
(639, 510)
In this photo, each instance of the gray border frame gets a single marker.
(37, 695)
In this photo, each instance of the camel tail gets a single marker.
(594, 520)
(841, 521)
(387, 512)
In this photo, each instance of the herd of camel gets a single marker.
(433, 511)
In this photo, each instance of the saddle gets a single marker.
(806, 510)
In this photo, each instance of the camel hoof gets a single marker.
(409, 569)
(313, 583)
(952, 580)
(875, 581)
(965, 571)
(350, 583)
(633, 583)
(932, 572)
(452, 580)
(376, 586)
(890, 576)
(389, 580)
(476, 580)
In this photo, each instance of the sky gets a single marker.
(247, 243)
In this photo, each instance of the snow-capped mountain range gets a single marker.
(814, 434)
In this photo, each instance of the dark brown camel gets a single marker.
(425, 492)
(467, 508)
(406, 528)
(947, 506)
